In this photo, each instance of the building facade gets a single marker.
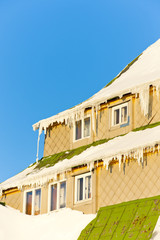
(101, 152)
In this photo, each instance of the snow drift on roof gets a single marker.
(130, 145)
(137, 79)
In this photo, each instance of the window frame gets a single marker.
(119, 107)
(84, 175)
(58, 195)
(82, 128)
(33, 190)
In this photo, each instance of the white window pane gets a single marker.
(116, 116)
(37, 202)
(87, 127)
(29, 203)
(80, 189)
(62, 195)
(78, 130)
(124, 114)
(53, 197)
(88, 187)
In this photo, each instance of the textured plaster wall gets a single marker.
(154, 111)
(108, 186)
(57, 139)
(132, 182)
(14, 200)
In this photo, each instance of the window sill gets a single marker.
(56, 210)
(121, 125)
(74, 141)
(83, 201)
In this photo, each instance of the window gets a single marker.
(62, 195)
(32, 202)
(83, 187)
(82, 128)
(87, 127)
(29, 203)
(37, 202)
(57, 196)
(53, 197)
(78, 129)
(120, 114)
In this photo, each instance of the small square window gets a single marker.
(120, 114)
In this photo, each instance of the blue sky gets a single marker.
(55, 54)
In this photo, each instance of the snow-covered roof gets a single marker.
(137, 79)
(130, 145)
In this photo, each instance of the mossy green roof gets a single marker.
(134, 220)
(50, 161)
(146, 126)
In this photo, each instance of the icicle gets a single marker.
(55, 176)
(106, 162)
(82, 113)
(153, 91)
(144, 99)
(139, 160)
(91, 166)
(134, 155)
(0, 192)
(107, 165)
(157, 91)
(154, 149)
(76, 116)
(38, 145)
(96, 111)
(88, 166)
(140, 156)
(93, 124)
(120, 161)
(63, 175)
(66, 121)
(142, 159)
